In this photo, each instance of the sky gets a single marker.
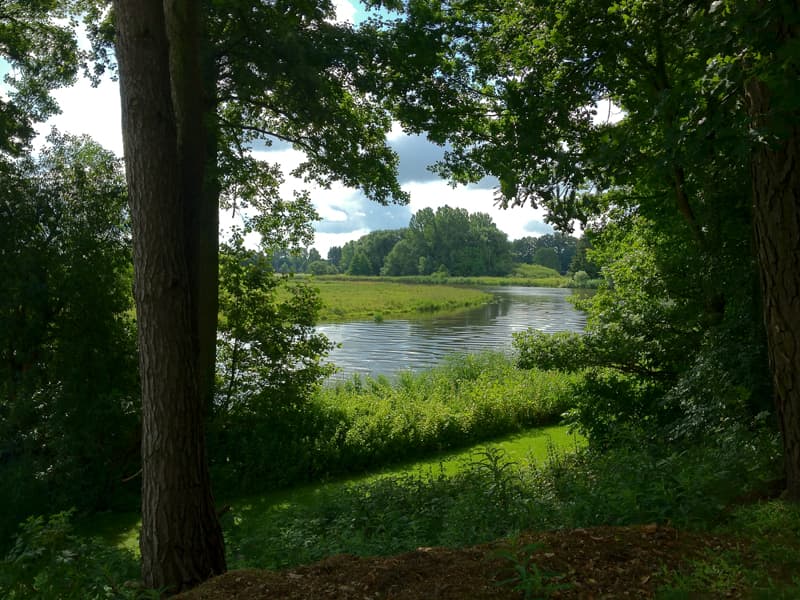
(346, 214)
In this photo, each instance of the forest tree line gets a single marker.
(448, 241)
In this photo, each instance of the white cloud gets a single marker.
(608, 113)
(345, 11)
(87, 110)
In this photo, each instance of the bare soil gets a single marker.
(595, 563)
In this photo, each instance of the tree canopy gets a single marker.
(701, 153)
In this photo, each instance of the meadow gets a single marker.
(351, 299)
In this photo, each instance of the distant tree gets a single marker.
(462, 243)
(564, 246)
(289, 260)
(313, 254)
(321, 267)
(360, 264)
(402, 260)
(335, 255)
(494, 251)
(547, 257)
(522, 249)
(348, 252)
(581, 260)
(378, 244)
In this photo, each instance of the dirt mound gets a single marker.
(601, 562)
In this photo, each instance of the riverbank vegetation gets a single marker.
(352, 426)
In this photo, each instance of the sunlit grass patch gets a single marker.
(353, 299)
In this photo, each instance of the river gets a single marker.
(385, 348)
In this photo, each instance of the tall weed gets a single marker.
(361, 423)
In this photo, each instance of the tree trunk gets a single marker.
(193, 80)
(181, 540)
(776, 219)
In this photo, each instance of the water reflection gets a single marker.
(391, 346)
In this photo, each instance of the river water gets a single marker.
(370, 348)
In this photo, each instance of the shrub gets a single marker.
(492, 497)
(358, 424)
(48, 560)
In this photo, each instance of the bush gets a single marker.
(493, 497)
(47, 560)
(363, 422)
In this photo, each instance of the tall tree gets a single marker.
(200, 84)
(158, 48)
(772, 88)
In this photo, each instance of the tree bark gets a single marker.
(181, 540)
(776, 220)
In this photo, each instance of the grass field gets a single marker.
(354, 299)
(348, 298)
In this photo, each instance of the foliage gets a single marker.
(515, 90)
(68, 400)
(38, 43)
(48, 560)
(663, 361)
(269, 364)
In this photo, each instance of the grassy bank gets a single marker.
(446, 458)
(350, 299)
(494, 494)
(355, 425)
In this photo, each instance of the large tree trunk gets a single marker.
(181, 540)
(776, 181)
(776, 219)
(193, 80)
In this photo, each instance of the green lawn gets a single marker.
(122, 529)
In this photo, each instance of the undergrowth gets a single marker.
(359, 424)
(490, 497)
(493, 497)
